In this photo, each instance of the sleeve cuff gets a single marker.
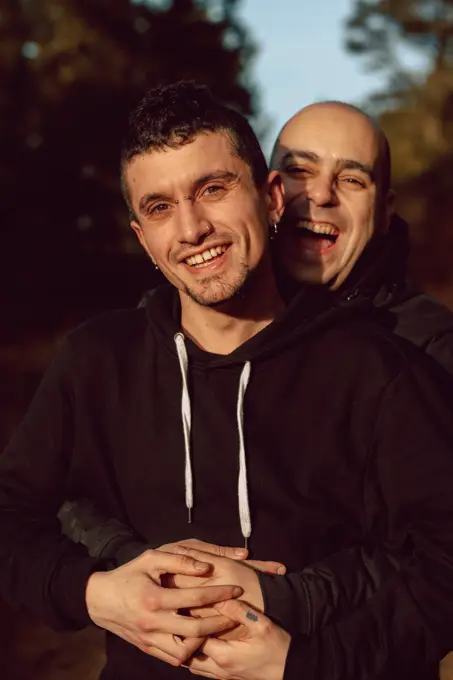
(68, 592)
(286, 602)
(129, 551)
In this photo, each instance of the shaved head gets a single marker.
(335, 163)
(384, 157)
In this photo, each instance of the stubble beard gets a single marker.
(216, 291)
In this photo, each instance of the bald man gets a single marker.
(339, 228)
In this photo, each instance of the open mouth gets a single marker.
(316, 236)
(206, 257)
(317, 230)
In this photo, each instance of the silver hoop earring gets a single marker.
(273, 230)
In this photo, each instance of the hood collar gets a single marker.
(381, 270)
(308, 311)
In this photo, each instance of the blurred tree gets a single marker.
(69, 74)
(383, 31)
(416, 112)
(378, 29)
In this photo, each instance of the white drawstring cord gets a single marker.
(243, 498)
(186, 419)
(244, 507)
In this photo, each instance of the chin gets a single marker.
(213, 295)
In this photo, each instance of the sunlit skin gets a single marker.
(330, 159)
(202, 196)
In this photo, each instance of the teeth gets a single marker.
(319, 228)
(205, 256)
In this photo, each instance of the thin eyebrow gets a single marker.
(305, 155)
(342, 163)
(224, 175)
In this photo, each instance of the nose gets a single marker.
(321, 191)
(193, 225)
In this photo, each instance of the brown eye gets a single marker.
(354, 181)
(158, 208)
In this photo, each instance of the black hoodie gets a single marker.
(381, 273)
(348, 441)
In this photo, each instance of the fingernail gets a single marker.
(281, 571)
(237, 591)
(240, 552)
(200, 566)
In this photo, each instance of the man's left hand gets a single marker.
(259, 654)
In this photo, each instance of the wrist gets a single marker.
(92, 589)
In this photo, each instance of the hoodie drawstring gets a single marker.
(186, 416)
(186, 419)
(243, 495)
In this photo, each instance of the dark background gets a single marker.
(69, 72)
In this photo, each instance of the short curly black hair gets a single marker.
(172, 115)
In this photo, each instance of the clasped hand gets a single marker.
(256, 648)
(131, 602)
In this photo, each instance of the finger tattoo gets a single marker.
(252, 616)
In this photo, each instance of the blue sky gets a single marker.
(302, 58)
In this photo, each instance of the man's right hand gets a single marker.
(130, 602)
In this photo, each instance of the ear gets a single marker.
(275, 195)
(139, 233)
(388, 210)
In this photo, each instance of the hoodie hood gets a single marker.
(307, 312)
(381, 271)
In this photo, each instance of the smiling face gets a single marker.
(201, 217)
(330, 158)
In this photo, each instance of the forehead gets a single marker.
(331, 132)
(167, 170)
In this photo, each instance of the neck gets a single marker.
(222, 329)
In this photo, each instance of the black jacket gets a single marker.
(381, 274)
(348, 437)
